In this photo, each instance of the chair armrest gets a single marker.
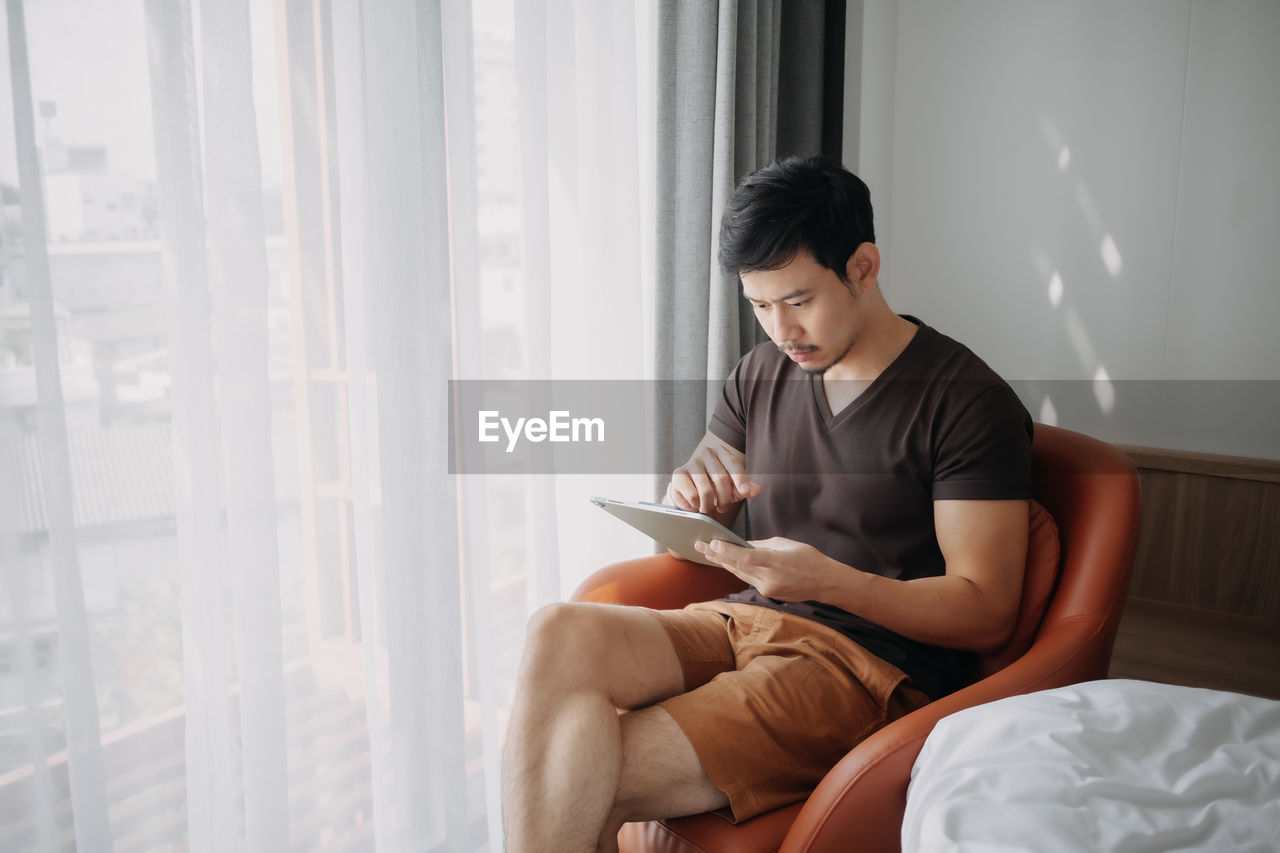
(662, 582)
(864, 796)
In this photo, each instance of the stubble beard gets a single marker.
(819, 371)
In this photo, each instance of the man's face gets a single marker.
(807, 311)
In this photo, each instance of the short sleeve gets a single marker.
(729, 421)
(985, 454)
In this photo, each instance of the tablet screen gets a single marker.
(671, 526)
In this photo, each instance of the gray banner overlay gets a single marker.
(608, 426)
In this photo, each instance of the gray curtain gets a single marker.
(739, 84)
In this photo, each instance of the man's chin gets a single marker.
(814, 369)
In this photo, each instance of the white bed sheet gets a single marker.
(1114, 765)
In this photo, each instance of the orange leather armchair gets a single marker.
(1065, 632)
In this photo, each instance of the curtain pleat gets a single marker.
(238, 279)
(351, 104)
(799, 61)
(307, 247)
(15, 586)
(532, 79)
(408, 268)
(735, 37)
(477, 631)
(211, 810)
(688, 47)
(87, 774)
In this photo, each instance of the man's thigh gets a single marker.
(626, 652)
(661, 774)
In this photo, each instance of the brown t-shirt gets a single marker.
(859, 485)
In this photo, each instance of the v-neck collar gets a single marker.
(830, 419)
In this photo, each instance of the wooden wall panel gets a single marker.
(1210, 533)
(1154, 569)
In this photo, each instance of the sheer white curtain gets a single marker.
(244, 248)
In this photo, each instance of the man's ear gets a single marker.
(863, 267)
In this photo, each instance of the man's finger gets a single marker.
(734, 466)
(683, 500)
(743, 483)
(712, 552)
(722, 480)
(706, 492)
(727, 551)
(692, 474)
(677, 490)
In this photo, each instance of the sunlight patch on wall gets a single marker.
(1111, 256)
(1064, 159)
(1055, 289)
(1048, 412)
(1103, 390)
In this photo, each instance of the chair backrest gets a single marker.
(1073, 473)
(1091, 490)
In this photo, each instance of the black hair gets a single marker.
(796, 203)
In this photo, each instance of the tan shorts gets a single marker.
(774, 700)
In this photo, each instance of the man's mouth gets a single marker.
(800, 355)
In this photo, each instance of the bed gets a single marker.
(1115, 765)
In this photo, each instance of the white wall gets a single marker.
(1088, 195)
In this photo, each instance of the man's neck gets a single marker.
(879, 345)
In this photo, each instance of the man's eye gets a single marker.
(798, 304)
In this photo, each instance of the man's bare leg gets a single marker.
(661, 775)
(564, 754)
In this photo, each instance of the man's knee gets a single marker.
(566, 636)
(622, 652)
(553, 625)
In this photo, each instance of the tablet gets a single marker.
(675, 528)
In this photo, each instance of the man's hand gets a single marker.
(779, 568)
(714, 480)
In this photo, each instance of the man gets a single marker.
(886, 473)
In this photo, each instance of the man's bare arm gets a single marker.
(973, 606)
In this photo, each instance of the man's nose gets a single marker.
(786, 329)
